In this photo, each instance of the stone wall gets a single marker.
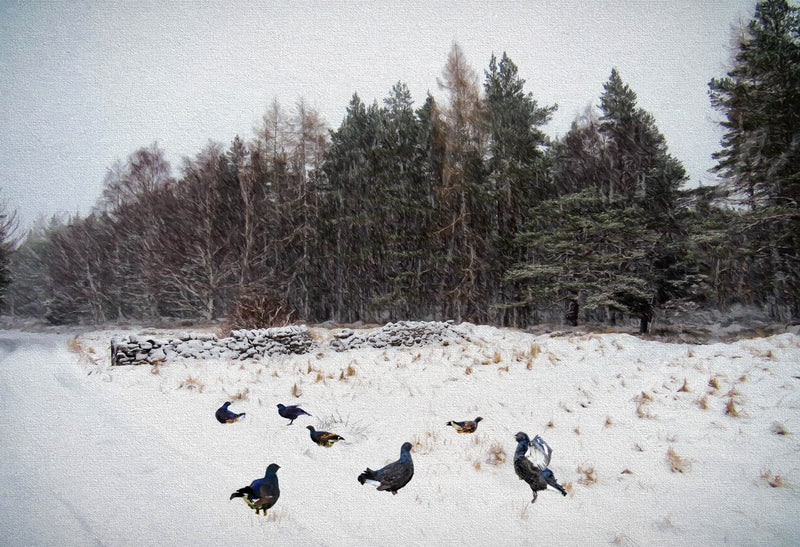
(402, 333)
(247, 344)
(241, 344)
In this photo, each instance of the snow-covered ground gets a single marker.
(657, 443)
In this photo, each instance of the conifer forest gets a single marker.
(456, 207)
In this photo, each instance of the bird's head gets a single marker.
(227, 404)
(273, 467)
(310, 427)
(280, 406)
(406, 447)
(478, 419)
(519, 437)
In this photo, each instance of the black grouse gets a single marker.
(323, 438)
(535, 471)
(393, 476)
(467, 426)
(262, 493)
(225, 416)
(291, 412)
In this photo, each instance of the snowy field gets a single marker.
(656, 443)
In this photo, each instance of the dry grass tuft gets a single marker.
(192, 384)
(496, 455)
(241, 395)
(425, 442)
(702, 402)
(779, 429)
(497, 358)
(74, 345)
(577, 430)
(608, 422)
(775, 481)
(642, 401)
(296, 391)
(589, 475)
(477, 465)
(676, 463)
(685, 387)
(730, 408)
(468, 370)
(713, 382)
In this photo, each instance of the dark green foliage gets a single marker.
(760, 156)
(611, 239)
(7, 244)
(641, 169)
(517, 168)
(376, 206)
(760, 98)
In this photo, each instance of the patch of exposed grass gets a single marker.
(730, 408)
(642, 410)
(588, 475)
(775, 481)
(778, 429)
(424, 443)
(496, 455)
(676, 463)
(192, 384)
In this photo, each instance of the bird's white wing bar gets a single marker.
(539, 453)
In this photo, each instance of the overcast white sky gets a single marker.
(84, 84)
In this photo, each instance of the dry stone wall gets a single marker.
(296, 339)
(241, 344)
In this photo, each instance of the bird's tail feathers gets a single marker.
(369, 477)
(242, 492)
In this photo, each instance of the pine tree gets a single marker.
(760, 156)
(760, 98)
(517, 167)
(642, 168)
(611, 238)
